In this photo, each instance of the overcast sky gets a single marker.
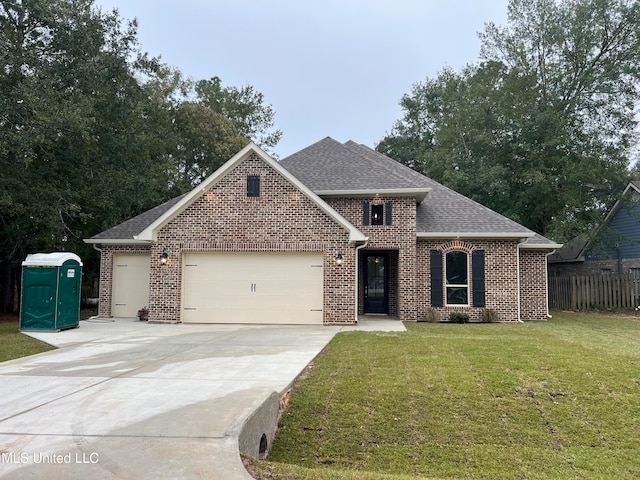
(333, 68)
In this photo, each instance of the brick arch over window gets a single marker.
(477, 281)
(456, 245)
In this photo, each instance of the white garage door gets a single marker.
(130, 287)
(252, 288)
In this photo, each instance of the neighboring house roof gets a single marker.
(572, 251)
(575, 249)
(634, 187)
(330, 168)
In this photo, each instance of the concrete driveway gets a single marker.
(129, 400)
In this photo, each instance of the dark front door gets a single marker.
(376, 279)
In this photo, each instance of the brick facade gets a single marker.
(501, 279)
(501, 282)
(283, 219)
(533, 285)
(398, 239)
(225, 219)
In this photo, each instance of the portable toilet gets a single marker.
(50, 291)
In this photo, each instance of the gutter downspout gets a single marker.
(546, 279)
(520, 242)
(357, 253)
(99, 250)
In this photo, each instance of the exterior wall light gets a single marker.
(164, 257)
(339, 259)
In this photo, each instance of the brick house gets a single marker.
(326, 235)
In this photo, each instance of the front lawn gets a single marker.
(14, 344)
(555, 399)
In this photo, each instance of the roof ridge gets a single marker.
(380, 162)
(439, 185)
(381, 156)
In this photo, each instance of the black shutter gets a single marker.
(477, 278)
(365, 213)
(436, 278)
(388, 218)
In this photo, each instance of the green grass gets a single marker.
(14, 344)
(556, 399)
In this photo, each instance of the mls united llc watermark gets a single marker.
(62, 458)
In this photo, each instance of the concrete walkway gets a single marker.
(129, 400)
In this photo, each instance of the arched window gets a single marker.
(457, 278)
(451, 271)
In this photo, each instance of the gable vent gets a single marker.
(253, 185)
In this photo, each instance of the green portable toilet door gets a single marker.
(39, 298)
(69, 283)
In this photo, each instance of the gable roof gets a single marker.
(634, 187)
(330, 168)
(144, 227)
(576, 248)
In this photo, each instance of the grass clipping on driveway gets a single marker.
(556, 399)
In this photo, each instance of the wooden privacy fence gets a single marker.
(584, 292)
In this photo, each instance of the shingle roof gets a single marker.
(128, 229)
(447, 211)
(329, 165)
(572, 251)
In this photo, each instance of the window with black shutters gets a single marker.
(377, 213)
(457, 278)
(450, 280)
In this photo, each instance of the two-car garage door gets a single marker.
(252, 288)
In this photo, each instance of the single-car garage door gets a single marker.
(252, 288)
(130, 287)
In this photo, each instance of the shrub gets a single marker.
(489, 316)
(459, 317)
(433, 316)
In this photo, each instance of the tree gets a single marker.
(205, 139)
(244, 107)
(75, 127)
(542, 128)
(93, 131)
